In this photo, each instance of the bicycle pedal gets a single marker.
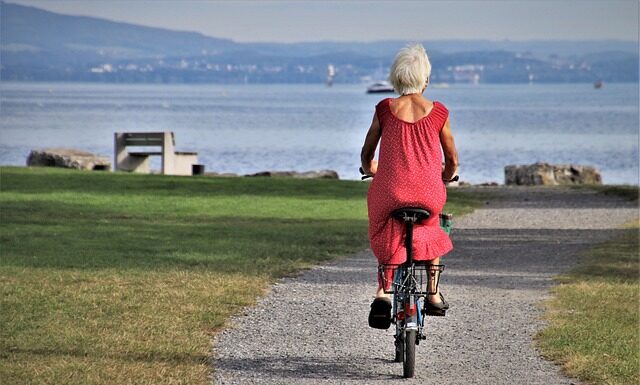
(434, 313)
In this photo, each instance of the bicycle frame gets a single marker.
(407, 301)
(410, 283)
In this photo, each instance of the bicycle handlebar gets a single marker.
(367, 176)
(364, 176)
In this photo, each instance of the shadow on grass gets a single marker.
(149, 356)
(621, 263)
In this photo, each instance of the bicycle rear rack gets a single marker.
(416, 283)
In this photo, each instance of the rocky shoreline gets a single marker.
(537, 174)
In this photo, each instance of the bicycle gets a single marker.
(410, 283)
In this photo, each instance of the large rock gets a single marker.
(68, 158)
(550, 174)
(321, 174)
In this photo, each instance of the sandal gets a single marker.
(438, 309)
(380, 314)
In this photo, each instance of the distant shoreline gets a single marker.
(319, 83)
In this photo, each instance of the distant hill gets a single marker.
(37, 45)
(387, 48)
(28, 30)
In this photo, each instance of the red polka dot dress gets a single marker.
(409, 174)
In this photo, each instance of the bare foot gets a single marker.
(381, 294)
(435, 298)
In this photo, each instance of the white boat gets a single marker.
(331, 72)
(380, 87)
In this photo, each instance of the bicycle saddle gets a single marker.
(413, 214)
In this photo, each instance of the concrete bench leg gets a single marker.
(184, 164)
(127, 162)
(168, 155)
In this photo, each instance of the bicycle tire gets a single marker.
(399, 348)
(409, 362)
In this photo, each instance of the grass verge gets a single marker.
(627, 192)
(118, 278)
(595, 314)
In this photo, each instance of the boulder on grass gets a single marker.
(68, 158)
(550, 174)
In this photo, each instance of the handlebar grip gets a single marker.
(364, 176)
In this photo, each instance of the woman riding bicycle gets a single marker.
(414, 133)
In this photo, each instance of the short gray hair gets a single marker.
(410, 70)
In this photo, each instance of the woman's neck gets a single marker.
(414, 94)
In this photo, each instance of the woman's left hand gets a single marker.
(371, 168)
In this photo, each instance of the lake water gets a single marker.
(250, 128)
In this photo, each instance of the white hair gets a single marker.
(410, 70)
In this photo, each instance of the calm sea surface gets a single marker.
(251, 128)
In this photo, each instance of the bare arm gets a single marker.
(369, 146)
(450, 152)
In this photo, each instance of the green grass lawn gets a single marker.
(118, 278)
(594, 318)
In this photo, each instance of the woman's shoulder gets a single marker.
(382, 108)
(440, 109)
(384, 103)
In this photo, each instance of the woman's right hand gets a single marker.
(450, 152)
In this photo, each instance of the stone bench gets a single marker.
(173, 162)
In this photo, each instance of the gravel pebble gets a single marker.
(312, 329)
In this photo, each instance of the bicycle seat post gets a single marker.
(408, 241)
(410, 216)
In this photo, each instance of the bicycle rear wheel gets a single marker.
(409, 362)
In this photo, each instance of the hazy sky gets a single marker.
(308, 20)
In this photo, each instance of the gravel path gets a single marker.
(312, 329)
